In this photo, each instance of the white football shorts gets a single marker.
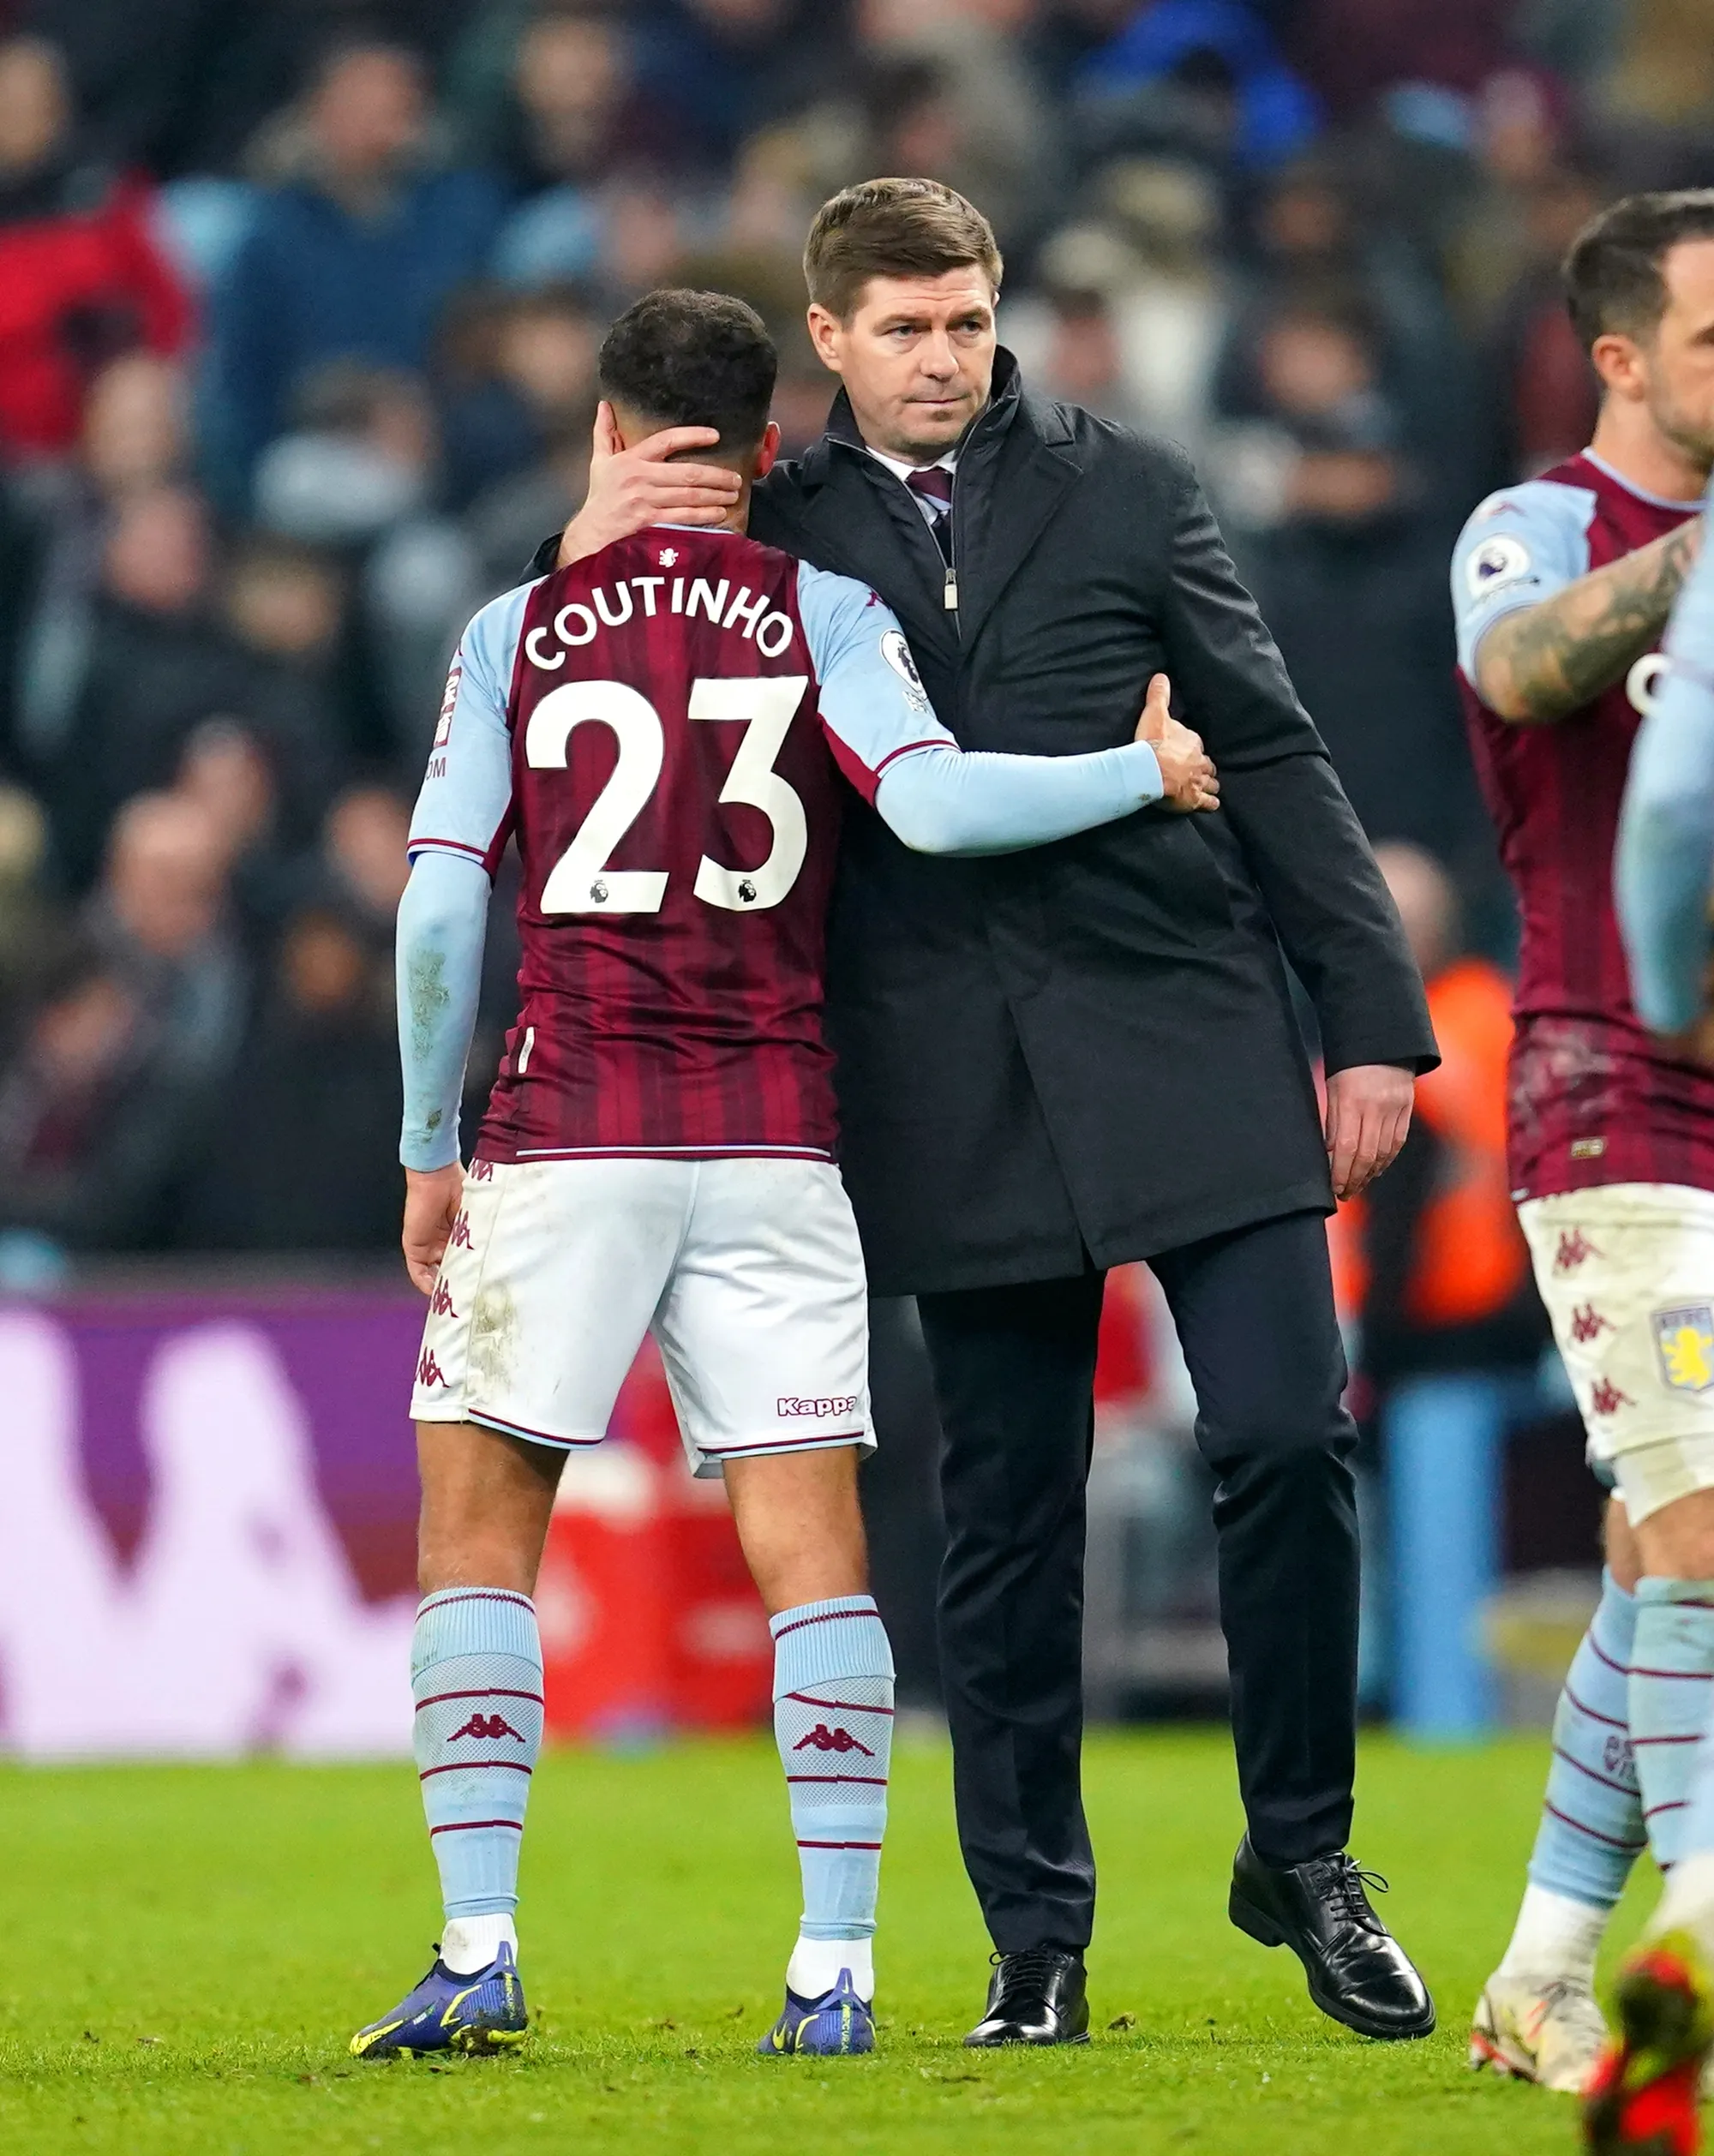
(747, 1271)
(1626, 1272)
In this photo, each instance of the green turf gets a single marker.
(187, 1948)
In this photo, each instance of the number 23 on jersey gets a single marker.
(580, 881)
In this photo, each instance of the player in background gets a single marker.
(663, 727)
(1561, 586)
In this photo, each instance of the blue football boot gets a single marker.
(836, 2024)
(481, 2012)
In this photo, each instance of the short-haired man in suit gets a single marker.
(1057, 1061)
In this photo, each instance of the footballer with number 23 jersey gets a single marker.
(672, 730)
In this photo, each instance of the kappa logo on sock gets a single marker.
(826, 1739)
(487, 1726)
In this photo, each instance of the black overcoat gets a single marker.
(1087, 1050)
(1088, 1046)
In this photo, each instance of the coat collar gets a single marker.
(1020, 445)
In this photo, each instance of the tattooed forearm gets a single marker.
(1542, 661)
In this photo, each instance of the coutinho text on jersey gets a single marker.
(1594, 1098)
(653, 725)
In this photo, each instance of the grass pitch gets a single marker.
(189, 1948)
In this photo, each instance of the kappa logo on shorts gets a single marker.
(1588, 1324)
(1684, 1341)
(428, 1371)
(836, 1403)
(481, 1171)
(459, 1238)
(440, 1303)
(1574, 1247)
(1606, 1398)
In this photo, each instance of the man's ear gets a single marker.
(1619, 363)
(827, 334)
(767, 449)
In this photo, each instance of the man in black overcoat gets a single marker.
(1054, 1062)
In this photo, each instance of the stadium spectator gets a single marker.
(1353, 50)
(361, 475)
(572, 121)
(161, 915)
(352, 256)
(103, 1098)
(53, 521)
(726, 68)
(28, 919)
(303, 1156)
(1198, 75)
(981, 117)
(364, 852)
(94, 1117)
(81, 278)
(156, 661)
(1329, 517)
(150, 667)
(517, 381)
(1309, 242)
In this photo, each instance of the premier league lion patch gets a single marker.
(1684, 1341)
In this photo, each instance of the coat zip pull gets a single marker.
(950, 590)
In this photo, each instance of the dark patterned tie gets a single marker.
(934, 486)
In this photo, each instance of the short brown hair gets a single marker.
(1613, 270)
(894, 228)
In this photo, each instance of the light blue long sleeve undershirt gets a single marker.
(938, 801)
(1663, 862)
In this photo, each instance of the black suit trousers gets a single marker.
(1013, 1370)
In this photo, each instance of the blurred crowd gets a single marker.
(299, 307)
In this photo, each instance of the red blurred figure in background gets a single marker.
(80, 276)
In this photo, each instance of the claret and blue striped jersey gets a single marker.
(653, 725)
(1594, 1096)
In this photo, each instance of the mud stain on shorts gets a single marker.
(494, 1337)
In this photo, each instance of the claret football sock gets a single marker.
(1671, 1688)
(476, 1672)
(1591, 1830)
(833, 1720)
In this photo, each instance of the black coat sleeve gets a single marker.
(1281, 797)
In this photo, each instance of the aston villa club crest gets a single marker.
(1684, 1344)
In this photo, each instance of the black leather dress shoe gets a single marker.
(1359, 1973)
(1037, 1997)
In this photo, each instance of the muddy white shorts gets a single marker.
(747, 1271)
(1627, 1272)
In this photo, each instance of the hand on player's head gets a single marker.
(630, 488)
(1187, 771)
